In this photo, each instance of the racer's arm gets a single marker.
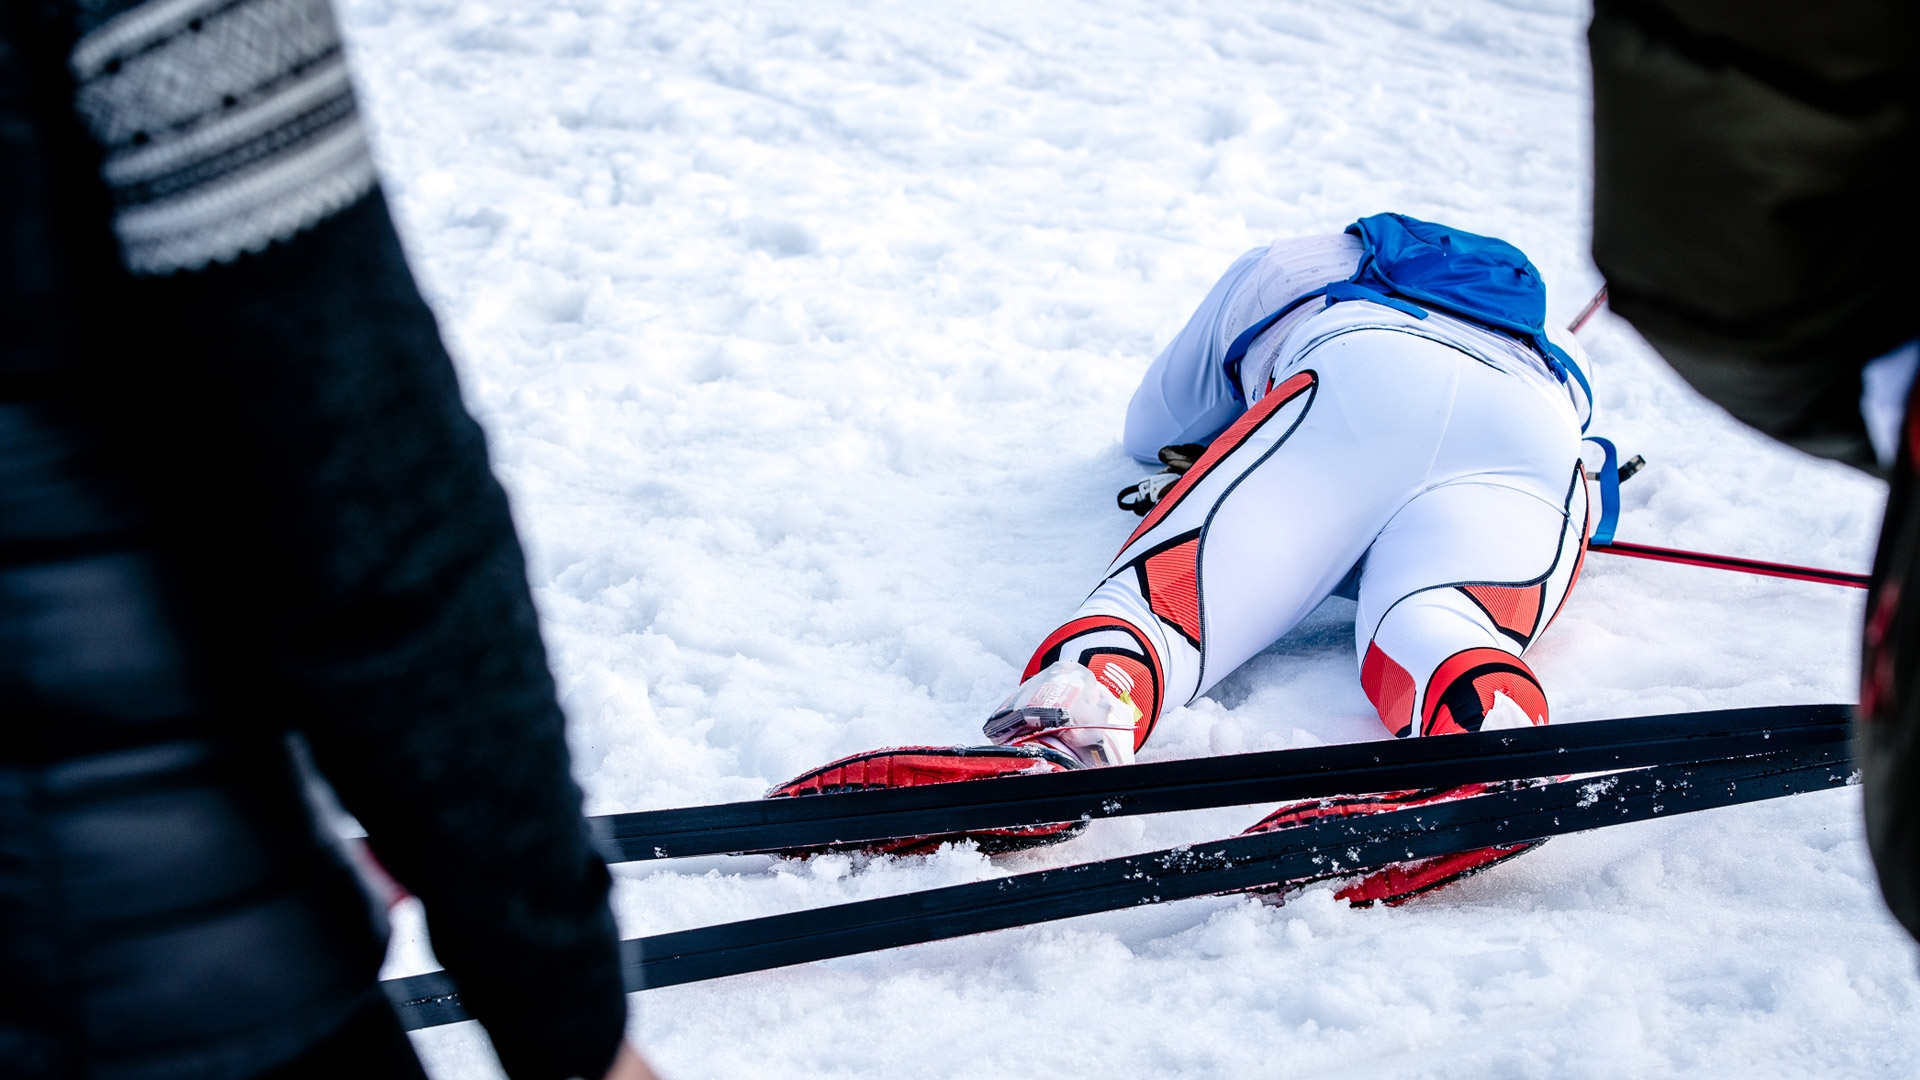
(1185, 396)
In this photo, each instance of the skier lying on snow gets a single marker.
(1425, 464)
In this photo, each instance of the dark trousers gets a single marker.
(368, 1046)
(1887, 736)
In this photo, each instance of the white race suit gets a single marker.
(1431, 462)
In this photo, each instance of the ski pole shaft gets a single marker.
(1701, 558)
(1730, 562)
(1599, 301)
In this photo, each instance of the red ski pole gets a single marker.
(1599, 301)
(1701, 558)
(1730, 562)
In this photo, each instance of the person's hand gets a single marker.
(629, 1065)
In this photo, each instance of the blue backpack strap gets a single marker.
(1567, 366)
(1347, 290)
(1609, 492)
(1237, 351)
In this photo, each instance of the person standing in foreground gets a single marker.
(1753, 216)
(1377, 414)
(242, 507)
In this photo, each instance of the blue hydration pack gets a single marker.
(1417, 266)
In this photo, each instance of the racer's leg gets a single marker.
(1267, 524)
(1255, 535)
(1462, 581)
(1458, 585)
(1469, 573)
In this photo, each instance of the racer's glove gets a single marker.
(1145, 495)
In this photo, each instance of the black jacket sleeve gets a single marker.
(339, 504)
(1752, 198)
(274, 389)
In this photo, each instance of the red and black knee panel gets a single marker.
(1462, 689)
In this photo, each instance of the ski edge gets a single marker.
(840, 819)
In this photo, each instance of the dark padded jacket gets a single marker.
(1753, 206)
(1754, 218)
(240, 501)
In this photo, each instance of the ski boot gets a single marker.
(1063, 718)
(1066, 708)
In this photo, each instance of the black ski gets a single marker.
(1338, 845)
(1235, 780)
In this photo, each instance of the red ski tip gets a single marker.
(1396, 884)
(913, 766)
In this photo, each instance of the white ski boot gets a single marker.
(1067, 709)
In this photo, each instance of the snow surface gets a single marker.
(803, 334)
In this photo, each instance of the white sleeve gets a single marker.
(1184, 397)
